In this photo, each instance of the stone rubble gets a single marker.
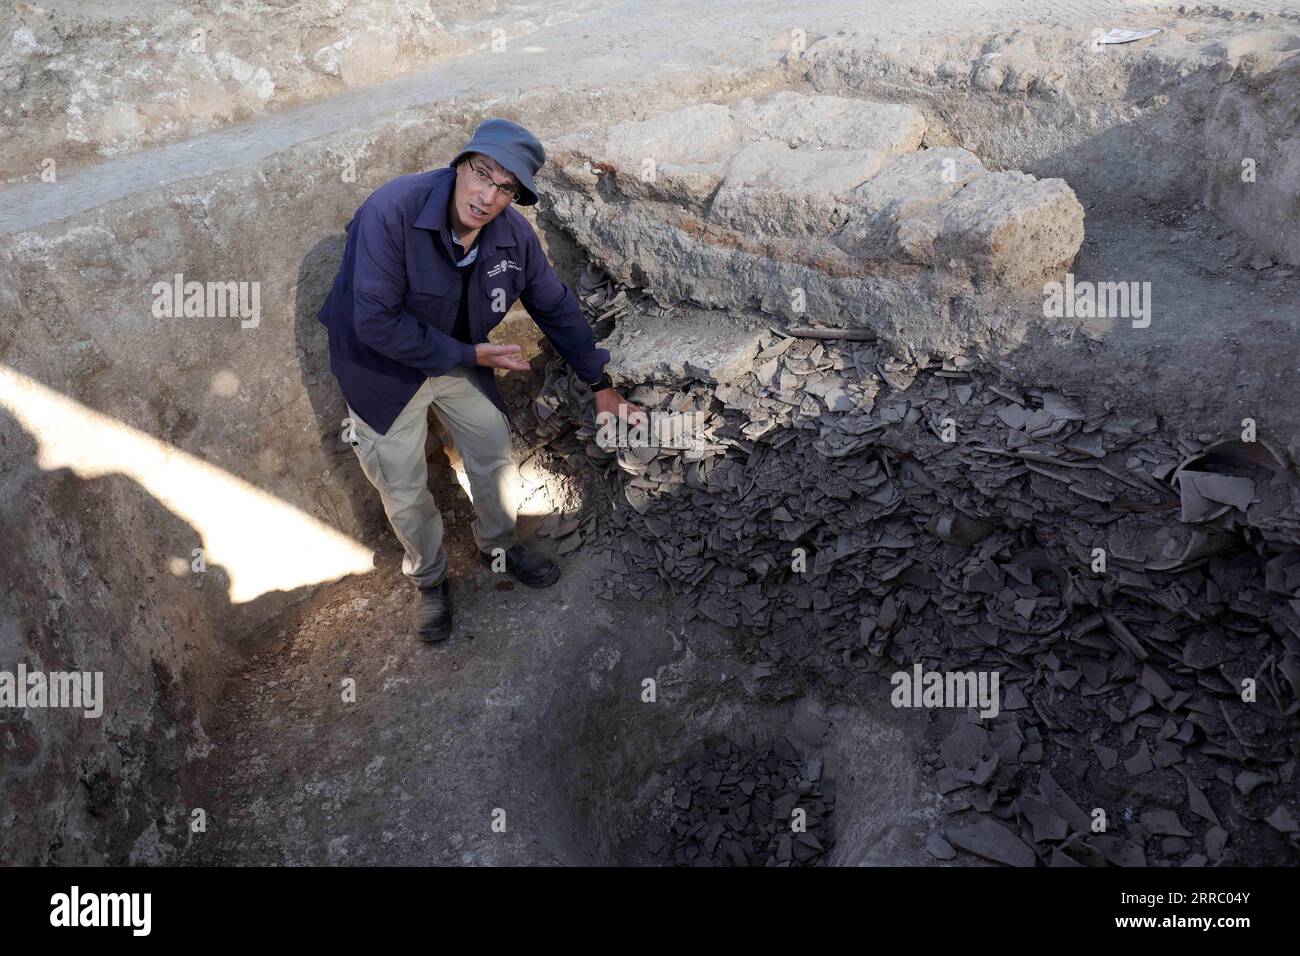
(946, 518)
(733, 806)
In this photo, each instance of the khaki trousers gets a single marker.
(395, 464)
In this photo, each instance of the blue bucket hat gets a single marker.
(514, 148)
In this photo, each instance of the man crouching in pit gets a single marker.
(433, 261)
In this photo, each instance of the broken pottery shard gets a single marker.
(1047, 823)
(938, 847)
(1222, 489)
(992, 841)
(958, 529)
(1216, 838)
(1107, 756)
(735, 854)
(1171, 846)
(1090, 445)
(984, 772)
(808, 840)
(1060, 407)
(1140, 762)
(947, 779)
(1167, 754)
(1153, 682)
(1195, 506)
(1014, 416)
(962, 748)
(569, 544)
(1282, 819)
(1124, 636)
(1063, 803)
(1163, 823)
(1199, 804)
(1119, 851)
(1248, 782)
(1060, 858)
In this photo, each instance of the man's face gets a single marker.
(475, 202)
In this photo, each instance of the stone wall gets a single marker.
(818, 206)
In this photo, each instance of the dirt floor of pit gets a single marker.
(412, 772)
(532, 708)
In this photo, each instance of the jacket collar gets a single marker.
(433, 216)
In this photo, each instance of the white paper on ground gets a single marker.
(1127, 36)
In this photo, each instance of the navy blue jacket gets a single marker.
(393, 306)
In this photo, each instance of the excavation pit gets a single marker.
(647, 783)
(1122, 686)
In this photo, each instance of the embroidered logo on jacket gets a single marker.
(502, 266)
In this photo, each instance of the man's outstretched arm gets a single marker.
(555, 309)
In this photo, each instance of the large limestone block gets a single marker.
(683, 155)
(679, 156)
(940, 208)
(1011, 228)
(907, 189)
(833, 122)
(777, 190)
(712, 347)
(693, 135)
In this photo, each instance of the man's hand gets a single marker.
(609, 401)
(510, 357)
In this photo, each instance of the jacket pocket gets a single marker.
(432, 299)
(428, 283)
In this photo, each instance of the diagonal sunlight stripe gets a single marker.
(264, 544)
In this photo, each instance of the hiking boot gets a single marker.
(530, 568)
(433, 613)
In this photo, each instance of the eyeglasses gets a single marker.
(482, 178)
